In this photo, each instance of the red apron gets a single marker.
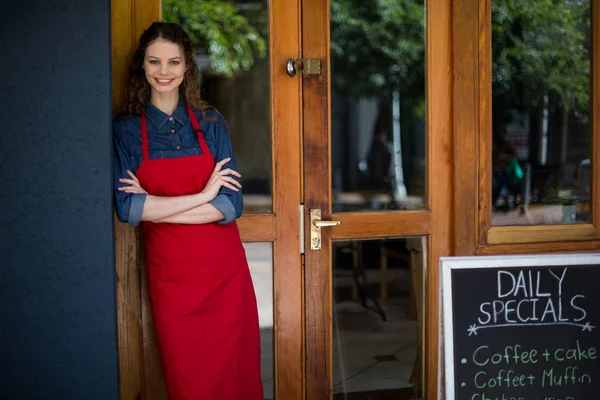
(201, 293)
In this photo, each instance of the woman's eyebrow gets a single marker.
(158, 58)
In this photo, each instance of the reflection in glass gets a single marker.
(378, 104)
(378, 308)
(541, 112)
(260, 261)
(231, 39)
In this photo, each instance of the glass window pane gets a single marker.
(231, 39)
(378, 105)
(541, 96)
(260, 261)
(378, 308)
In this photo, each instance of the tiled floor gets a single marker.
(370, 356)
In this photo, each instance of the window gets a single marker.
(541, 107)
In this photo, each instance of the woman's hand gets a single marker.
(134, 183)
(220, 179)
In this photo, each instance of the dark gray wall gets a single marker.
(57, 284)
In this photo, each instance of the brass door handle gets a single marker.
(321, 224)
(315, 228)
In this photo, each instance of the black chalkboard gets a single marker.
(521, 328)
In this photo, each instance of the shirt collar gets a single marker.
(159, 118)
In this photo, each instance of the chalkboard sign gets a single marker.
(521, 327)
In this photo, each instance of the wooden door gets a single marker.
(271, 217)
(377, 216)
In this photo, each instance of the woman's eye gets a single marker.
(174, 62)
(153, 62)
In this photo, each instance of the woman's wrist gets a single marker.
(202, 198)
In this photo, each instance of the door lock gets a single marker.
(315, 228)
(303, 66)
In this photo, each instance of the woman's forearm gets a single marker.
(158, 208)
(203, 214)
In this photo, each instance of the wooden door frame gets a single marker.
(435, 222)
(440, 176)
(138, 363)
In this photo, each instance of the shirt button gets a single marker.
(170, 118)
(178, 147)
(172, 130)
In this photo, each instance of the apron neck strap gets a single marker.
(192, 115)
(145, 152)
(197, 129)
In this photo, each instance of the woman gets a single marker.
(201, 293)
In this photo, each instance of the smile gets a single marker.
(164, 81)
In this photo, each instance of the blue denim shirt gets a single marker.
(170, 137)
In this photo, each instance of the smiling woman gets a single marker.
(164, 66)
(174, 171)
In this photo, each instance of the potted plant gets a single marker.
(559, 205)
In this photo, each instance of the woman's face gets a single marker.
(164, 65)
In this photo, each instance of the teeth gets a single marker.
(164, 80)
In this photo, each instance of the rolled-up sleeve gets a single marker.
(223, 204)
(228, 202)
(129, 206)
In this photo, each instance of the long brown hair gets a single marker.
(137, 91)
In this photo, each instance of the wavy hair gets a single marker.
(137, 90)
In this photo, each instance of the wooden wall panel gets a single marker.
(129, 309)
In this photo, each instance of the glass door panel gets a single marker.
(260, 261)
(378, 308)
(378, 146)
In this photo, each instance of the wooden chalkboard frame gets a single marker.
(446, 328)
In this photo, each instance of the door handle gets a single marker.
(315, 228)
(322, 224)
